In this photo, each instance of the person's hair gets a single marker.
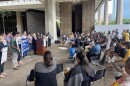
(84, 62)
(81, 56)
(109, 32)
(14, 34)
(47, 55)
(7, 33)
(1, 34)
(127, 44)
(18, 32)
(114, 40)
(123, 43)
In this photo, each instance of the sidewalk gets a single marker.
(18, 77)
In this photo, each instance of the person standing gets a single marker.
(8, 38)
(18, 40)
(34, 43)
(49, 40)
(2, 74)
(30, 41)
(15, 51)
(25, 53)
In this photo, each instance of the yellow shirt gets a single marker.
(126, 35)
(126, 56)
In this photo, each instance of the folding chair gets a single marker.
(100, 74)
(95, 59)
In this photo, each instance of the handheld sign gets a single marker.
(4, 55)
(24, 45)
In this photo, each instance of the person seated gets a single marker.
(125, 78)
(64, 40)
(45, 72)
(91, 44)
(122, 51)
(117, 47)
(106, 44)
(126, 35)
(72, 52)
(77, 41)
(95, 51)
(81, 74)
(123, 60)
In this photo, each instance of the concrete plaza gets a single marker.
(18, 77)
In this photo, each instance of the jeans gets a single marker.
(25, 53)
(30, 47)
(1, 68)
(19, 55)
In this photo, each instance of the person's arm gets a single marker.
(117, 68)
(59, 68)
(12, 45)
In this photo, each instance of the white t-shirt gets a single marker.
(18, 40)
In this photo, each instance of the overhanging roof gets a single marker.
(34, 4)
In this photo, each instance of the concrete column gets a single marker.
(50, 18)
(106, 13)
(19, 21)
(99, 17)
(66, 18)
(119, 13)
(88, 15)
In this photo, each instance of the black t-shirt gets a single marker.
(117, 49)
(122, 52)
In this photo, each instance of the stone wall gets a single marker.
(66, 18)
(35, 22)
(88, 15)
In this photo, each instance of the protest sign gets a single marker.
(24, 45)
(4, 55)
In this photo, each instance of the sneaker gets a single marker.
(25, 57)
(28, 56)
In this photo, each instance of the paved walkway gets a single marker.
(18, 77)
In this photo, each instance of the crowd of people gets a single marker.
(11, 47)
(83, 47)
(116, 51)
(115, 47)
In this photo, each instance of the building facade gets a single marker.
(126, 11)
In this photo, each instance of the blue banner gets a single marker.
(24, 45)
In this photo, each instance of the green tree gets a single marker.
(126, 21)
(112, 22)
(4, 13)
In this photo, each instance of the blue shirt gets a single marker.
(72, 52)
(96, 49)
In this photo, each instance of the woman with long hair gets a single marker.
(81, 74)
